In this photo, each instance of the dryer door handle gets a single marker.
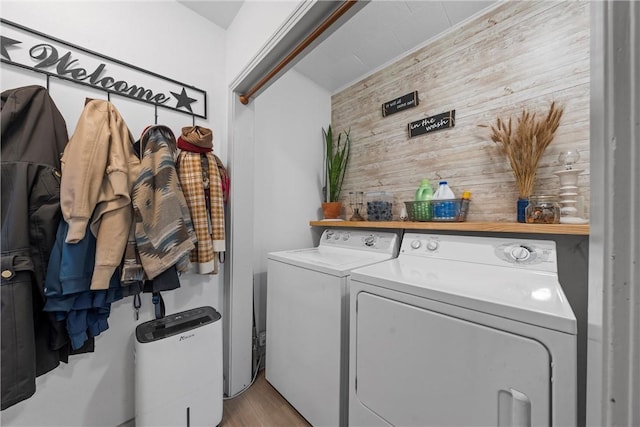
(514, 409)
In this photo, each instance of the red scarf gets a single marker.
(187, 146)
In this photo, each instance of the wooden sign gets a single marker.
(407, 101)
(433, 123)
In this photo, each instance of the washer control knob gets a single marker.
(416, 244)
(329, 235)
(520, 253)
(346, 236)
(369, 240)
(432, 245)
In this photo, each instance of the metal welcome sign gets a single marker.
(36, 51)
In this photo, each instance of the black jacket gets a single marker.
(34, 135)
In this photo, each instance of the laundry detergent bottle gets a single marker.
(422, 206)
(444, 192)
(424, 192)
(445, 208)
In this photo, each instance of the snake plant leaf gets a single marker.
(336, 161)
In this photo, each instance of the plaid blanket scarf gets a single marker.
(203, 192)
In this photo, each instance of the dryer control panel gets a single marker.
(525, 253)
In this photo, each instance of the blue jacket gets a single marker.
(67, 287)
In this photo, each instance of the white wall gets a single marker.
(255, 24)
(97, 389)
(614, 262)
(289, 117)
(256, 30)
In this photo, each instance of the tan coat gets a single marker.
(99, 167)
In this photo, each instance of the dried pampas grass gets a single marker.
(525, 145)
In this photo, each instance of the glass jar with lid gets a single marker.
(379, 205)
(543, 209)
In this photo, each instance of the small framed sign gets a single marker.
(406, 101)
(433, 123)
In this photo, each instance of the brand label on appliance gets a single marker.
(186, 337)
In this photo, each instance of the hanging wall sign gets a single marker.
(406, 101)
(433, 123)
(35, 51)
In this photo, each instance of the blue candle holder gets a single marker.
(523, 202)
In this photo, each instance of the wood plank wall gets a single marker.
(518, 55)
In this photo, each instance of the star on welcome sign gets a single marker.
(184, 100)
(4, 43)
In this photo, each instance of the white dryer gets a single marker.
(462, 331)
(308, 322)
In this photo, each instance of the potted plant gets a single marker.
(336, 159)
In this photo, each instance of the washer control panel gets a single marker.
(422, 244)
(385, 242)
(526, 253)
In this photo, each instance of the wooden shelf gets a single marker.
(495, 227)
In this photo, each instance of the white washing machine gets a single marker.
(308, 322)
(462, 331)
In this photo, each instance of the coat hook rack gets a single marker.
(44, 54)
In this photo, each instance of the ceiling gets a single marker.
(220, 12)
(381, 32)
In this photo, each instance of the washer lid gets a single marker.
(528, 296)
(329, 260)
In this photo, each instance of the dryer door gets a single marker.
(416, 367)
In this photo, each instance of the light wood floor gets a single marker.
(261, 406)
